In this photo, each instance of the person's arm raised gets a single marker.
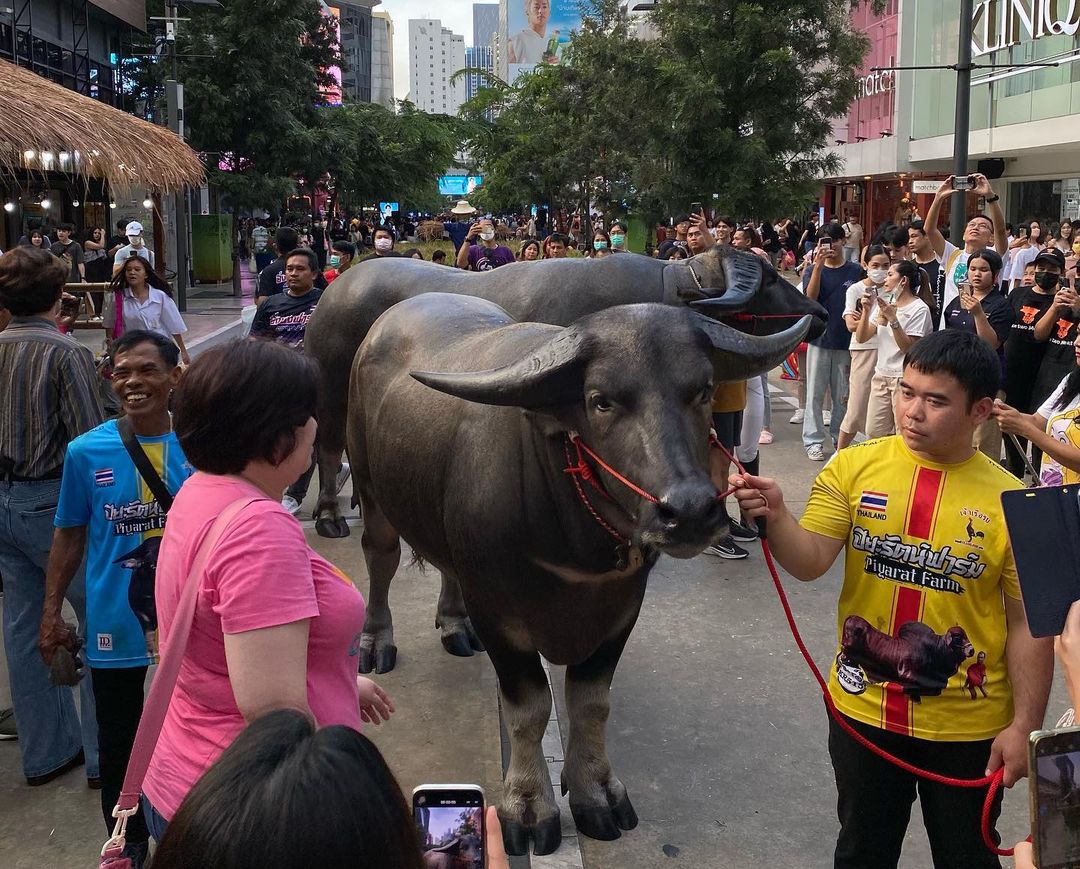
(937, 240)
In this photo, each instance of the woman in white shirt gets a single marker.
(863, 353)
(896, 318)
(1023, 250)
(147, 304)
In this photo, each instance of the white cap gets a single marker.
(133, 228)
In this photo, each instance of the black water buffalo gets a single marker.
(479, 488)
(732, 284)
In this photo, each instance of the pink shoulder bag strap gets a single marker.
(157, 701)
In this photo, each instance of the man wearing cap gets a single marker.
(458, 228)
(135, 247)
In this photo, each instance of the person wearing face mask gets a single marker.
(136, 246)
(618, 237)
(897, 318)
(601, 244)
(1024, 248)
(384, 245)
(341, 258)
(981, 309)
(1057, 328)
(486, 255)
(863, 353)
(1023, 351)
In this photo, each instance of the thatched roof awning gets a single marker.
(84, 137)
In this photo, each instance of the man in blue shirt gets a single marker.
(828, 362)
(108, 512)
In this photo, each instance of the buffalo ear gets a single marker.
(548, 376)
(738, 356)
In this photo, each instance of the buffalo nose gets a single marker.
(688, 504)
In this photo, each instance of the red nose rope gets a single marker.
(583, 471)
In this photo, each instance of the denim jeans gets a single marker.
(50, 732)
(826, 370)
(154, 822)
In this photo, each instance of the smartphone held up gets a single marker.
(450, 823)
(963, 182)
(1055, 797)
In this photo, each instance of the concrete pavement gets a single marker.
(717, 729)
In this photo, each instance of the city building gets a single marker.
(896, 141)
(355, 27)
(485, 23)
(477, 58)
(382, 58)
(435, 54)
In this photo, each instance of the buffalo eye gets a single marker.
(706, 394)
(601, 403)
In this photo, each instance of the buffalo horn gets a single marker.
(742, 277)
(550, 375)
(738, 356)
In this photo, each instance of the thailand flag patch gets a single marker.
(874, 502)
(103, 477)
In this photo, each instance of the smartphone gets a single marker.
(1054, 757)
(825, 242)
(962, 182)
(450, 821)
(695, 208)
(963, 288)
(69, 305)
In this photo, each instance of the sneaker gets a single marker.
(798, 417)
(7, 724)
(38, 780)
(342, 477)
(741, 532)
(765, 438)
(727, 548)
(826, 417)
(290, 504)
(815, 453)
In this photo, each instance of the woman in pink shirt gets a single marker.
(276, 625)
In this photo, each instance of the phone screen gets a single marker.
(1055, 798)
(695, 208)
(450, 823)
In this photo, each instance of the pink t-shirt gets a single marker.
(261, 574)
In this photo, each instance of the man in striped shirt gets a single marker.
(49, 397)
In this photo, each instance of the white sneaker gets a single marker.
(826, 416)
(798, 417)
(815, 453)
(342, 477)
(290, 504)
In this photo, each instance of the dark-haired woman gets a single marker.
(276, 625)
(1054, 428)
(981, 309)
(529, 251)
(139, 298)
(898, 318)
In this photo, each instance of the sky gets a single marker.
(455, 14)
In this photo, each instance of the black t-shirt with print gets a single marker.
(284, 318)
(1059, 359)
(1023, 354)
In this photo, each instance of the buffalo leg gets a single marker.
(382, 554)
(598, 800)
(458, 636)
(528, 806)
(328, 519)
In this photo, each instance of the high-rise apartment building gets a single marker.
(382, 58)
(485, 23)
(476, 58)
(355, 28)
(435, 54)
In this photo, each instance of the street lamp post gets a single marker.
(957, 215)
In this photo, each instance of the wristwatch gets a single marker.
(993, 198)
(895, 324)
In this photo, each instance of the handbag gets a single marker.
(157, 701)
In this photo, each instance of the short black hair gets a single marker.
(559, 238)
(617, 223)
(313, 261)
(918, 226)
(437, 256)
(286, 238)
(992, 258)
(31, 280)
(286, 793)
(243, 401)
(170, 353)
(727, 221)
(833, 231)
(66, 226)
(898, 237)
(413, 253)
(962, 355)
(985, 217)
(345, 247)
(383, 229)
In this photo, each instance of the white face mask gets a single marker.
(877, 276)
(488, 235)
(135, 240)
(384, 243)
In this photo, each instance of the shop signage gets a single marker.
(925, 186)
(875, 83)
(997, 24)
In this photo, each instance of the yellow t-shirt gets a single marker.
(921, 618)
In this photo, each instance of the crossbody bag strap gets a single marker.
(157, 701)
(143, 464)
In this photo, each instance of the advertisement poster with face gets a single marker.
(539, 32)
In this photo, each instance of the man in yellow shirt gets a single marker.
(935, 662)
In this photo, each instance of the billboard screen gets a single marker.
(459, 185)
(538, 31)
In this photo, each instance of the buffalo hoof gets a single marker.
(332, 527)
(605, 823)
(380, 658)
(546, 837)
(460, 639)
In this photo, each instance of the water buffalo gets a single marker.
(728, 284)
(549, 563)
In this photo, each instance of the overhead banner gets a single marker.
(538, 31)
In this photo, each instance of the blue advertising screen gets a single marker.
(459, 185)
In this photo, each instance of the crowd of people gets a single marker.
(87, 487)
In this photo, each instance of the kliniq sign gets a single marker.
(997, 24)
